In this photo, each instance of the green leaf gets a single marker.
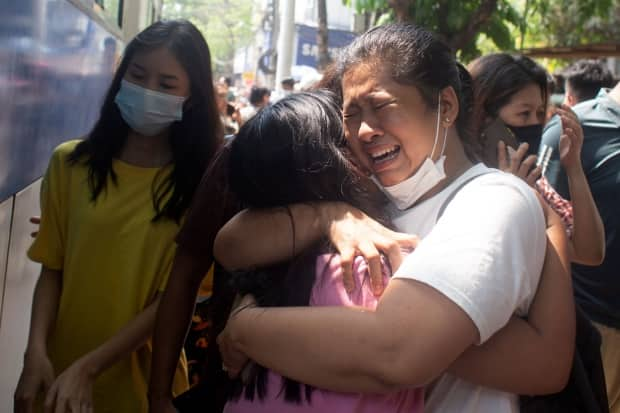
(497, 30)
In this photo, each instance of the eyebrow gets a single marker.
(369, 97)
(377, 94)
(163, 75)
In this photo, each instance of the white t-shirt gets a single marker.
(485, 253)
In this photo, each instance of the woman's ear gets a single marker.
(449, 106)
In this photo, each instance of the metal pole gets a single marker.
(286, 36)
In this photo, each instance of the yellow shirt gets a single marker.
(114, 261)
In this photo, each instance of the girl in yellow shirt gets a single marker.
(110, 208)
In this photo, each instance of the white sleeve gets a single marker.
(486, 252)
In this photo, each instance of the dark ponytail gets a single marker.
(466, 108)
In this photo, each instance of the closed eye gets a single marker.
(384, 104)
(137, 76)
(350, 111)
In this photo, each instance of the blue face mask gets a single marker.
(146, 111)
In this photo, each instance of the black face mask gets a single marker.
(528, 134)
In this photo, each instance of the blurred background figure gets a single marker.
(229, 115)
(288, 85)
(597, 288)
(584, 79)
(259, 98)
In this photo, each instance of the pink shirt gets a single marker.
(328, 290)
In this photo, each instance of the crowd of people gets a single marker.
(406, 235)
(238, 104)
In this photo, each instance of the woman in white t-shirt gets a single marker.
(477, 266)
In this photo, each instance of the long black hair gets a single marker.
(415, 56)
(292, 152)
(193, 140)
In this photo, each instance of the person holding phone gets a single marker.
(510, 102)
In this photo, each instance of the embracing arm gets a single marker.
(532, 356)
(256, 238)
(375, 353)
(260, 237)
(401, 344)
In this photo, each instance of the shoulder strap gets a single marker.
(456, 190)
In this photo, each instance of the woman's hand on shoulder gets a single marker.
(354, 233)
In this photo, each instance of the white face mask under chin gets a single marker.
(406, 193)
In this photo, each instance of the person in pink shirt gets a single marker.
(293, 152)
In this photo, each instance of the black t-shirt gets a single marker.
(597, 289)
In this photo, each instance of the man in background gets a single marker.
(259, 98)
(584, 79)
(597, 289)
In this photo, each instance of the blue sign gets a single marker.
(308, 49)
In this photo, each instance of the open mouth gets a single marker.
(385, 155)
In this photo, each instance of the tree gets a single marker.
(574, 22)
(461, 23)
(322, 39)
(226, 25)
(458, 22)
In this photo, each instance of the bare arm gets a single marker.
(72, 390)
(44, 309)
(256, 238)
(375, 353)
(400, 344)
(129, 338)
(261, 237)
(532, 356)
(37, 374)
(173, 318)
(588, 242)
